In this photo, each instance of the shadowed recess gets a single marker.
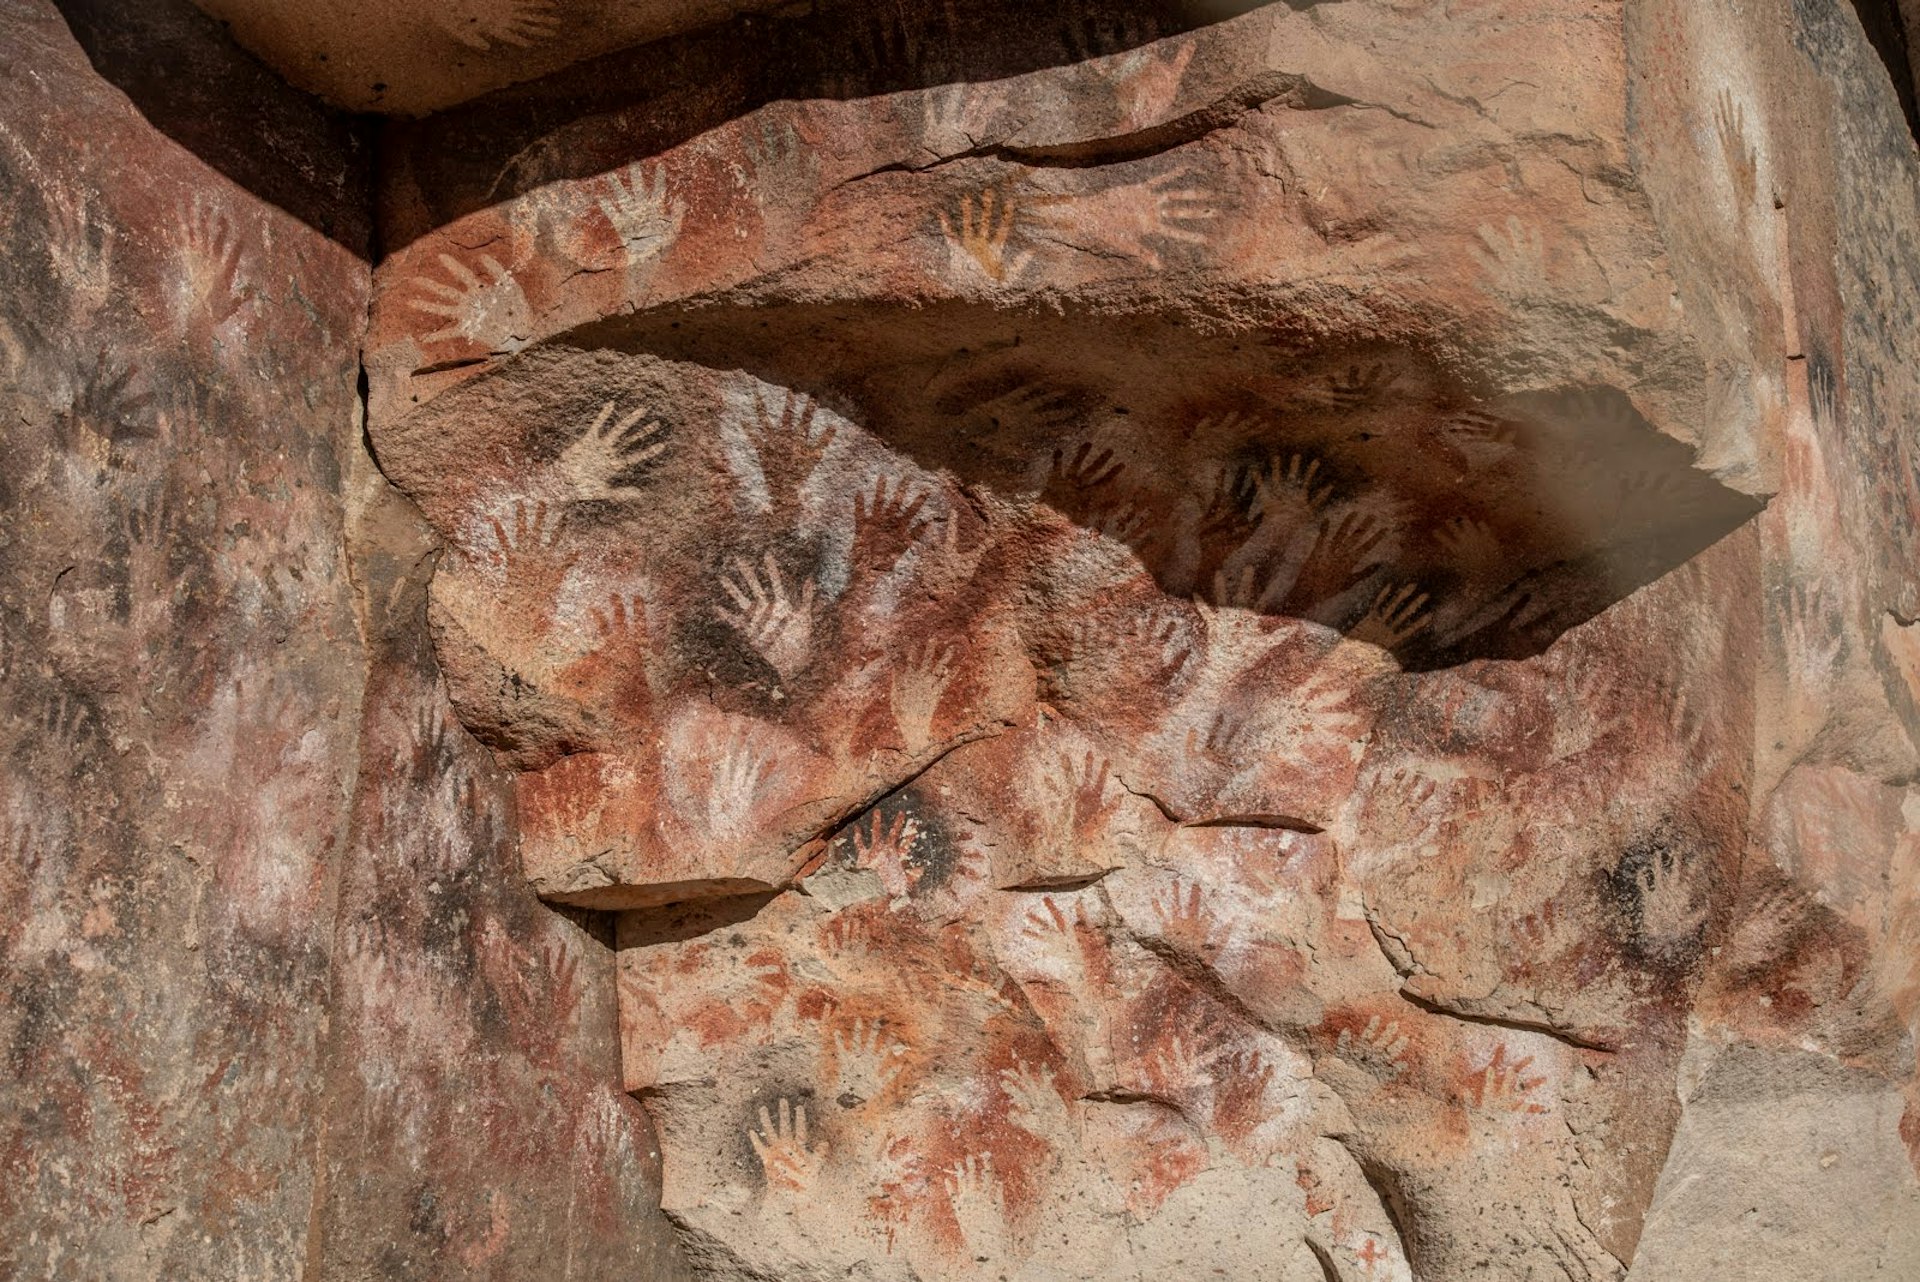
(596, 117)
(184, 74)
(1363, 486)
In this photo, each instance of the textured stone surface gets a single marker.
(276, 1002)
(474, 1123)
(1173, 658)
(1143, 641)
(368, 55)
(182, 670)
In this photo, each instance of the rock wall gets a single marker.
(1201, 645)
(1269, 640)
(183, 671)
(277, 1003)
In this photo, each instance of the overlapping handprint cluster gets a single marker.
(999, 855)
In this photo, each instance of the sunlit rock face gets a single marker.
(1225, 647)
(1041, 910)
(1177, 640)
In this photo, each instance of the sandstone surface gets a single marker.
(276, 1001)
(1125, 641)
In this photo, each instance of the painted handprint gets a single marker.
(1033, 1101)
(1088, 468)
(1242, 1080)
(613, 454)
(1380, 1048)
(797, 438)
(885, 847)
(1668, 909)
(1226, 739)
(776, 623)
(212, 285)
(740, 773)
(107, 397)
(1146, 82)
(1403, 807)
(487, 311)
(1056, 933)
(1476, 437)
(1291, 490)
(1815, 633)
(1359, 385)
(886, 520)
(68, 721)
(1177, 1066)
(1034, 410)
(532, 538)
(483, 24)
(1515, 258)
(775, 159)
(1093, 30)
(788, 1162)
(1343, 552)
(1076, 788)
(642, 212)
(958, 117)
(1156, 642)
(1185, 922)
(1503, 1085)
(1766, 926)
(80, 245)
(1470, 545)
(979, 234)
(1396, 617)
(622, 622)
(1741, 160)
(979, 1205)
(868, 1060)
(1175, 209)
(1218, 520)
(917, 686)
